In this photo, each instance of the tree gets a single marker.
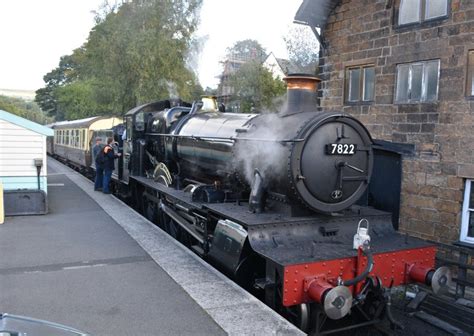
(25, 109)
(255, 87)
(66, 72)
(247, 50)
(135, 53)
(303, 48)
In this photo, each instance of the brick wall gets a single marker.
(366, 32)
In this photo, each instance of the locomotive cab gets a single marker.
(139, 121)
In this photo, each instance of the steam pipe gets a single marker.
(393, 323)
(257, 199)
(365, 273)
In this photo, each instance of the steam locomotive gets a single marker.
(273, 201)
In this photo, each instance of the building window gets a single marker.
(360, 84)
(470, 74)
(417, 11)
(467, 222)
(417, 82)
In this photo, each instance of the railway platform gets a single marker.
(94, 264)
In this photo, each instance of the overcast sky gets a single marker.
(35, 33)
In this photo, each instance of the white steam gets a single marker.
(171, 87)
(265, 153)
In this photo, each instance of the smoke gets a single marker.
(195, 52)
(171, 87)
(264, 153)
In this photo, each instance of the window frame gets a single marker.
(422, 18)
(362, 85)
(463, 237)
(424, 83)
(470, 75)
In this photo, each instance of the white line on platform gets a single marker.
(83, 266)
(55, 184)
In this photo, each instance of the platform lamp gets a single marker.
(38, 165)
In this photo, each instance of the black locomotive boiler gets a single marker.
(272, 200)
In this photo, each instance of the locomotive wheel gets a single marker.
(299, 315)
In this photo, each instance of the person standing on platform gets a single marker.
(99, 169)
(109, 164)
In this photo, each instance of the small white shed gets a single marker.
(22, 152)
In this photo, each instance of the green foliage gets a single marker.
(255, 87)
(247, 50)
(25, 109)
(136, 53)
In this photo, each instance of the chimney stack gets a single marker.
(301, 94)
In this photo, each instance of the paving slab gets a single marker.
(93, 262)
(76, 266)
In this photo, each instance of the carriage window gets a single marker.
(83, 139)
(360, 84)
(417, 82)
(417, 11)
(77, 139)
(467, 221)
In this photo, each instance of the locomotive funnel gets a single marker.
(301, 94)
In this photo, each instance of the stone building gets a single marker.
(405, 68)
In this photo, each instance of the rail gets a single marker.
(460, 257)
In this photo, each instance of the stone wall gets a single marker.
(366, 32)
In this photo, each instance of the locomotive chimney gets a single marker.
(301, 94)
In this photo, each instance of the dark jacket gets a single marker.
(109, 155)
(95, 150)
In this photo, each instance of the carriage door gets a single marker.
(127, 150)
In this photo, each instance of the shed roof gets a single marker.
(315, 12)
(25, 123)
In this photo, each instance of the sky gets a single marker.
(34, 34)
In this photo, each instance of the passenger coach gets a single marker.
(73, 140)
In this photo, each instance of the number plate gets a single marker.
(341, 149)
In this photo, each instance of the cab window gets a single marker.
(140, 121)
(129, 128)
